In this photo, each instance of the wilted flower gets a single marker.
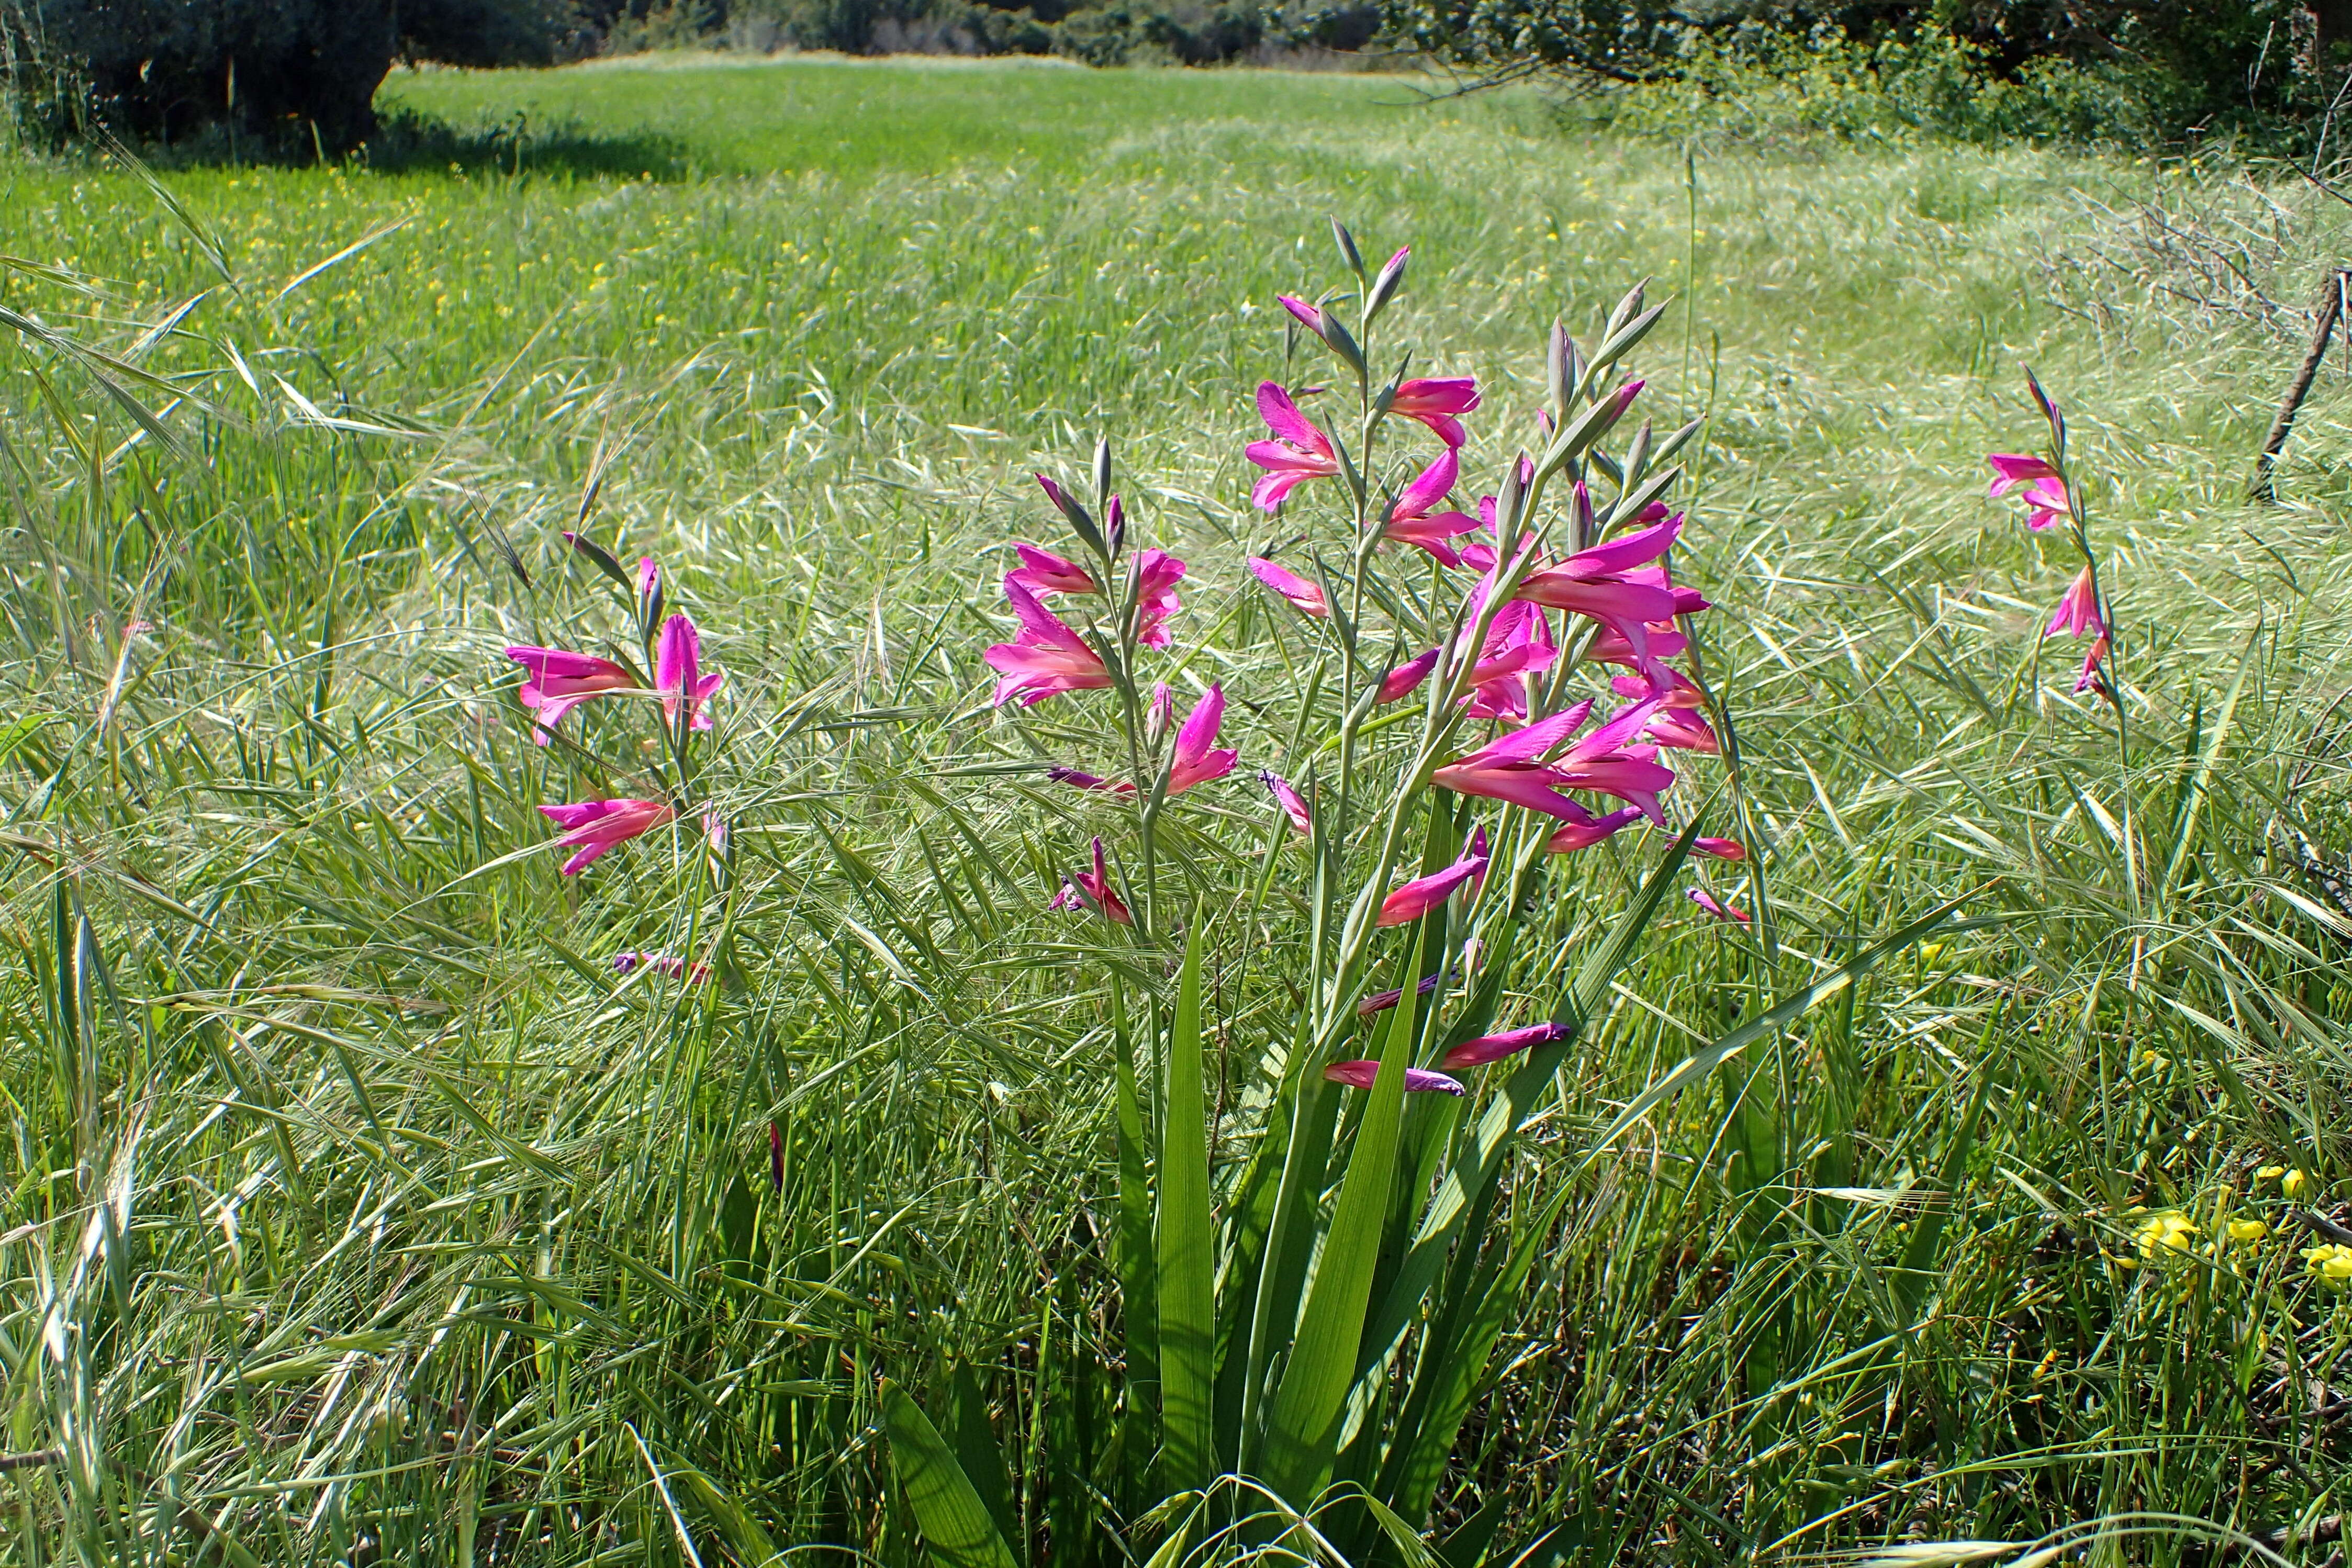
(1307, 597)
(1077, 780)
(560, 681)
(1299, 451)
(1417, 898)
(667, 963)
(1417, 1080)
(593, 827)
(1050, 658)
(1093, 888)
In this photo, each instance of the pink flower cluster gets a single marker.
(2044, 491)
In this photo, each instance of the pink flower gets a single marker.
(1716, 908)
(1411, 522)
(1495, 1047)
(666, 963)
(1162, 712)
(1157, 572)
(1095, 889)
(2044, 491)
(1416, 899)
(1682, 718)
(1307, 597)
(1050, 658)
(1381, 1001)
(593, 827)
(1299, 451)
(1606, 761)
(1042, 571)
(1518, 643)
(1434, 401)
(2090, 675)
(1402, 681)
(1417, 1080)
(2077, 614)
(1196, 760)
(1294, 805)
(677, 673)
(1721, 848)
(1584, 830)
(1077, 780)
(560, 681)
(2015, 470)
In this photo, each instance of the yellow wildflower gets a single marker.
(2267, 1171)
(2330, 1264)
(2293, 1183)
(2167, 1232)
(2248, 1230)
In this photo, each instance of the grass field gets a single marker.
(357, 1212)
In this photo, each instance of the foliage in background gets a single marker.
(359, 1208)
(2124, 73)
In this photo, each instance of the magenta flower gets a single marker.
(593, 827)
(2090, 675)
(1411, 520)
(1417, 1080)
(2077, 614)
(1405, 679)
(1416, 899)
(1196, 759)
(1606, 761)
(668, 963)
(1307, 597)
(1584, 830)
(677, 673)
(560, 681)
(1682, 717)
(1518, 643)
(1381, 1001)
(1042, 571)
(1157, 572)
(1434, 401)
(1716, 908)
(2015, 471)
(1077, 780)
(1093, 890)
(1721, 848)
(1299, 451)
(1294, 805)
(1049, 658)
(1495, 1047)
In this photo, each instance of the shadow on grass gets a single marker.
(408, 142)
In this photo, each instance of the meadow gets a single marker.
(358, 1210)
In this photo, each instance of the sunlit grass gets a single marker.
(431, 1219)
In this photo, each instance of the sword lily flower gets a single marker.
(677, 673)
(1434, 400)
(1093, 890)
(1157, 572)
(1042, 571)
(1298, 452)
(1048, 659)
(1417, 1080)
(560, 681)
(1495, 1047)
(1197, 760)
(592, 828)
(1405, 679)
(1293, 804)
(1717, 908)
(1417, 898)
(1413, 521)
(1307, 597)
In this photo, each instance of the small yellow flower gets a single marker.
(2167, 1232)
(2267, 1171)
(2331, 1264)
(2248, 1230)
(2293, 1183)
(1930, 951)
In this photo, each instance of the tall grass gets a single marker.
(358, 1212)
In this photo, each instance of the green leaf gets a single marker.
(1187, 1283)
(954, 1521)
(975, 1447)
(1137, 1272)
(1306, 1411)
